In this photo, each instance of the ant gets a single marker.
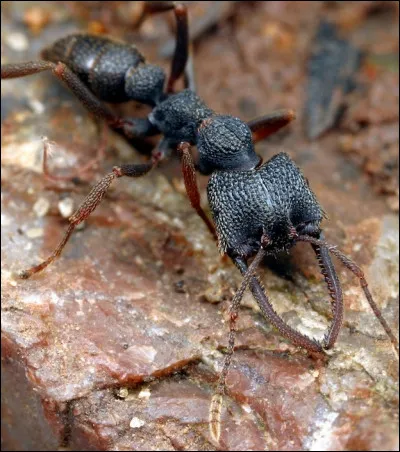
(258, 208)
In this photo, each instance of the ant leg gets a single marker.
(189, 77)
(89, 205)
(151, 7)
(267, 125)
(131, 128)
(82, 170)
(216, 401)
(269, 313)
(335, 291)
(73, 83)
(181, 51)
(192, 190)
(356, 270)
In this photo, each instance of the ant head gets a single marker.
(145, 83)
(225, 143)
(285, 231)
(282, 235)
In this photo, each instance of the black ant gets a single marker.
(258, 208)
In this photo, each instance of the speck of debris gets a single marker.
(34, 233)
(246, 408)
(139, 261)
(41, 207)
(180, 286)
(66, 207)
(213, 294)
(17, 41)
(8, 276)
(122, 393)
(136, 423)
(5, 221)
(37, 107)
(315, 373)
(144, 394)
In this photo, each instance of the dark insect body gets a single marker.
(257, 208)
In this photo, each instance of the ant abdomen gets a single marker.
(100, 62)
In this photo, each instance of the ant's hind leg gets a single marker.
(90, 165)
(181, 52)
(23, 69)
(72, 81)
(130, 127)
(189, 77)
(266, 125)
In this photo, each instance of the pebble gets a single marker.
(144, 394)
(136, 423)
(17, 41)
(41, 207)
(66, 207)
(34, 233)
(123, 393)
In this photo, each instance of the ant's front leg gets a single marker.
(92, 201)
(92, 164)
(217, 399)
(266, 125)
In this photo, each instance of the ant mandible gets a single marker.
(258, 208)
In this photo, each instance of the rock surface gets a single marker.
(116, 346)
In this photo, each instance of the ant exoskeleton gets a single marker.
(258, 208)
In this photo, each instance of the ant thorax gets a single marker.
(179, 115)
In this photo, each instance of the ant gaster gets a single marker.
(257, 208)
